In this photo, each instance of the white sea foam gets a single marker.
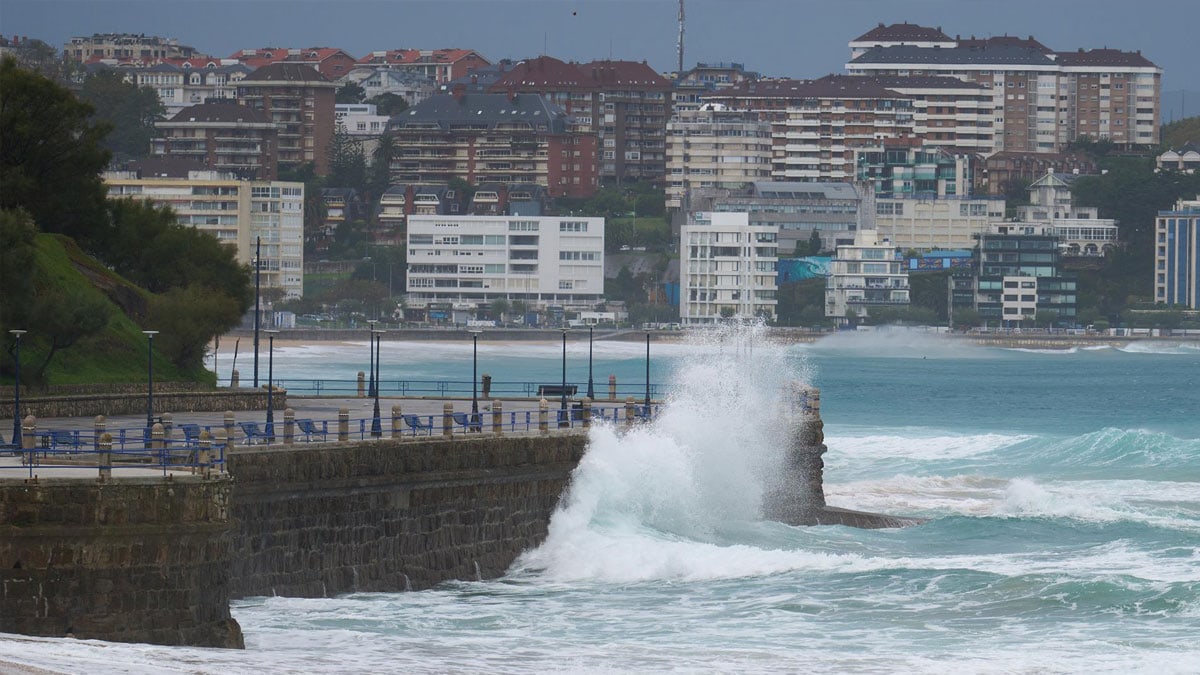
(1147, 347)
(899, 342)
(917, 447)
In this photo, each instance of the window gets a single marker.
(573, 226)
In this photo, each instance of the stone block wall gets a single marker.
(174, 402)
(130, 560)
(392, 515)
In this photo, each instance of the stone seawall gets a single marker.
(174, 402)
(132, 560)
(392, 515)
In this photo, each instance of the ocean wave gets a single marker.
(1145, 347)
(1118, 453)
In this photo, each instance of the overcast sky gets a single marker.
(795, 38)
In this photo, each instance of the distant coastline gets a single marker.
(1025, 339)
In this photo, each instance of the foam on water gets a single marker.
(900, 343)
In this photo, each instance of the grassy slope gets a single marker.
(116, 354)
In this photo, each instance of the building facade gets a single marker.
(715, 148)
(1019, 275)
(237, 212)
(224, 136)
(727, 268)
(124, 45)
(498, 138)
(1041, 100)
(300, 101)
(1080, 230)
(1177, 255)
(835, 211)
(438, 65)
(468, 261)
(624, 104)
(870, 273)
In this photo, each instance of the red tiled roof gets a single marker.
(629, 74)
(549, 73)
(1104, 57)
(265, 55)
(286, 72)
(830, 86)
(908, 32)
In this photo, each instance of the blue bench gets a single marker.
(191, 433)
(464, 420)
(309, 428)
(253, 433)
(414, 422)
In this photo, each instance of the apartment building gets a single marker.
(500, 138)
(467, 261)
(1177, 255)
(870, 273)
(835, 211)
(624, 104)
(300, 101)
(1041, 99)
(224, 137)
(438, 65)
(180, 83)
(377, 80)
(727, 268)
(234, 210)
(124, 45)
(948, 113)
(923, 195)
(1000, 171)
(690, 85)
(715, 148)
(1080, 230)
(816, 125)
(1019, 275)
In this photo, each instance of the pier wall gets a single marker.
(130, 403)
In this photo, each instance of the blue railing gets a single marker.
(449, 388)
(134, 447)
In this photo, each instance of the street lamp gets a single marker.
(564, 420)
(16, 438)
(591, 390)
(371, 350)
(376, 425)
(647, 372)
(271, 384)
(149, 378)
(474, 378)
(257, 300)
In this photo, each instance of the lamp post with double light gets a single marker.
(591, 392)
(371, 384)
(475, 379)
(149, 379)
(271, 384)
(647, 372)
(257, 301)
(376, 424)
(16, 438)
(564, 420)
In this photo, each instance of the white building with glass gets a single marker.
(472, 260)
(870, 273)
(727, 268)
(237, 212)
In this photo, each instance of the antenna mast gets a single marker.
(679, 73)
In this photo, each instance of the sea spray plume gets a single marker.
(900, 343)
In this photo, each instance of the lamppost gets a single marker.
(16, 438)
(271, 384)
(149, 378)
(257, 300)
(474, 378)
(647, 372)
(564, 420)
(371, 350)
(591, 390)
(376, 425)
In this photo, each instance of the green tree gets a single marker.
(187, 319)
(381, 166)
(651, 205)
(814, 243)
(63, 319)
(51, 154)
(966, 317)
(347, 163)
(388, 104)
(500, 307)
(131, 110)
(351, 92)
(18, 255)
(1045, 318)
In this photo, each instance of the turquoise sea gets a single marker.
(1062, 488)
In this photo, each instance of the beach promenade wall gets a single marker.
(131, 560)
(392, 515)
(132, 403)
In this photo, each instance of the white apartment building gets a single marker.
(727, 268)
(870, 273)
(715, 148)
(1080, 229)
(932, 223)
(236, 212)
(472, 260)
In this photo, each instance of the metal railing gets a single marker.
(448, 388)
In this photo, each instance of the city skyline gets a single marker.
(775, 37)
